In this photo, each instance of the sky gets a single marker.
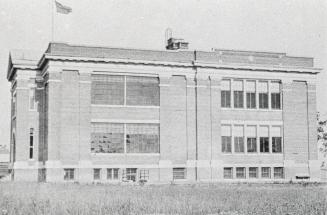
(296, 27)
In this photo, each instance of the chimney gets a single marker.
(176, 44)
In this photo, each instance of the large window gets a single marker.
(263, 94)
(225, 94)
(226, 139)
(107, 138)
(238, 93)
(264, 139)
(251, 132)
(142, 138)
(125, 90)
(238, 138)
(250, 95)
(276, 139)
(275, 95)
(139, 138)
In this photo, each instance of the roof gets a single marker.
(217, 57)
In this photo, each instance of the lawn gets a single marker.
(43, 198)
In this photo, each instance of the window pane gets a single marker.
(142, 138)
(107, 138)
(225, 99)
(239, 144)
(32, 99)
(109, 174)
(240, 172)
(179, 173)
(238, 99)
(228, 172)
(265, 172)
(69, 174)
(278, 172)
(275, 101)
(276, 144)
(142, 91)
(263, 100)
(252, 144)
(115, 175)
(131, 174)
(144, 174)
(264, 144)
(253, 172)
(107, 89)
(226, 144)
(97, 174)
(250, 100)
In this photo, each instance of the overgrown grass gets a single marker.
(32, 198)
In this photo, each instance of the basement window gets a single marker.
(265, 172)
(130, 174)
(144, 174)
(253, 172)
(96, 174)
(240, 172)
(69, 174)
(228, 172)
(112, 174)
(278, 172)
(179, 173)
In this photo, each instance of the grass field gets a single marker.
(32, 198)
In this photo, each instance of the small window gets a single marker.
(240, 172)
(253, 172)
(228, 172)
(31, 143)
(278, 172)
(69, 174)
(265, 172)
(112, 174)
(130, 174)
(96, 174)
(144, 174)
(179, 173)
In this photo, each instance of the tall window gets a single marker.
(142, 91)
(250, 95)
(278, 172)
(276, 139)
(142, 138)
(179, 173)
(107, 138)
(251, 132)
(228, 172)
(108, 89)
(238, 138)
(240, 172)
(31, 143)
(96, 174)
(225, 94)
(275, 95)
(264, 139)
(13, 108)
(112, 174)
(238, 93)
(125, 90)
(32, 99)
(263, 94)
(226, 139)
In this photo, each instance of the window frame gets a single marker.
(238, 141)
(273, 142)
(238, 99)
(112, 173)
(243, 173)
(276, 174)
(278, 105)
(225, 98)
(31, 144)
(251, 142)
(225, 145)
(251, 172)
(69, 174)
(97, 174)
(226, 174)
(264, 173)
(262, 146)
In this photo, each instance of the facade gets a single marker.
(97, 114)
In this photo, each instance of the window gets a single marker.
(228, 172)
(264, 139)
(31, 143)
(32, 99)
(179, 173)
(96, 174)
(250, 95)
(276, 139)
(275, 95)
(278, 172)
(107, 138)
(144, 174)
(225, 94)
(142, 91)
(263, 94)
(226, 139)
(253, 172)
(125, 90)
(69, 174)
(130, 174)
(107, 89)
(112, 174)
(251, 132)
(240, 172)
(265, 172)
(13, 107)
(238, 138)
(238, 93)
(142, 138)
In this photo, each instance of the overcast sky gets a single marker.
(295, 27)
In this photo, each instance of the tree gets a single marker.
(322, 136)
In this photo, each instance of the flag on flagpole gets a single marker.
(62, 8)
